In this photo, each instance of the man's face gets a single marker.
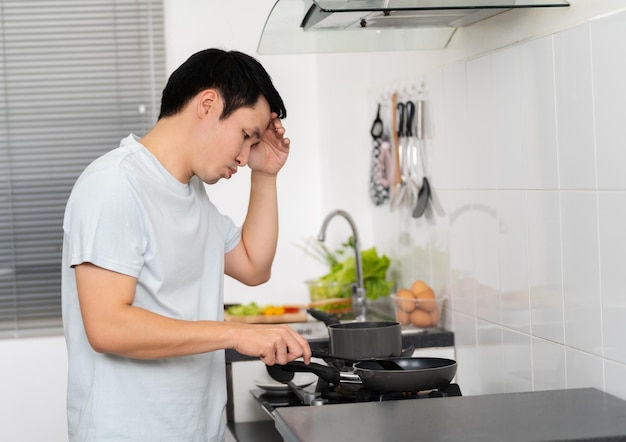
(228, 141)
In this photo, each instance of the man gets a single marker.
(145, 252)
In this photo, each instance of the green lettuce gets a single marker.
(374, 273)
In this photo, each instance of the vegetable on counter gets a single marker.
(253, 309)
(254, 313)
(333, 306)
(338, 282)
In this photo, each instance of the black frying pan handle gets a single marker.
(329, 374)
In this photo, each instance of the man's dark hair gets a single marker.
(239, 78)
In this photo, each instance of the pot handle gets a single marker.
(325, 372)
(323, 316)
(323, 355)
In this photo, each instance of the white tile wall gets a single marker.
(572, 77)
(581, 281)
(544, 260)
(529, 161)
(506, 118)
(609, 92)
(538, 114)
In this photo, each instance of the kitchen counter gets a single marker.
(434, 337)
(563, 415)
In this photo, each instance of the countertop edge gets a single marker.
(557, 415)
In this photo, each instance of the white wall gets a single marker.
(529, 155)
(32, 389)
(516, 283)
(192, 25)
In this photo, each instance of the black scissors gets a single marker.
(377, 126)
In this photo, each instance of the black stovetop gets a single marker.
(344, 394)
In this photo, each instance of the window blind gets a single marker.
(76, 76)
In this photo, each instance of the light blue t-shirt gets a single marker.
(128, 214)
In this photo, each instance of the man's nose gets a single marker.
(242, 158)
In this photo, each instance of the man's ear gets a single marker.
(207, 101)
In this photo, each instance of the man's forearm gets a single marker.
(260, 229)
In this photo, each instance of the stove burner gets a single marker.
(350, 393)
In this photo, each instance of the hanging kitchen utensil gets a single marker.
(396, 141)
(380, 167)
(423, 196)
(422, 199)
(400, 188)
(428, 132)
(413, 168)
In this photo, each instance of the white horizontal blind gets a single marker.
(76, 76)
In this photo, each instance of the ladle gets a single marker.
(411, 157)
(422, 199)
(424, 193)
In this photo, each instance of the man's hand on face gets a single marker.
(270, 154)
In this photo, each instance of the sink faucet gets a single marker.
(358, 288)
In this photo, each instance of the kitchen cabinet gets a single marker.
(563, 415)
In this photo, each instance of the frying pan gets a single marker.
(417, 374)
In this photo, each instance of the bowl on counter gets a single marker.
(330, 297)
(413, 312)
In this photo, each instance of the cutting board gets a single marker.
(268, 319)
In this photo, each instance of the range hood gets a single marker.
(317, 26)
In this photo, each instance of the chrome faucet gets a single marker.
(358, 288)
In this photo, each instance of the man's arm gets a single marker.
(114, 325)
(251, 260)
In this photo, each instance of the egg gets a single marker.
(403, 317)
(434, 317)
(405, 300)
(421, 319)
(418, 286)
(426, 300)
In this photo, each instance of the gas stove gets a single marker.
(326, 394)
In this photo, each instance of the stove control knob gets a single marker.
(319, 401)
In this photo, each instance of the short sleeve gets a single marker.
(103, 224)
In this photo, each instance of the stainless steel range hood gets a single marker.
(316, 26)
